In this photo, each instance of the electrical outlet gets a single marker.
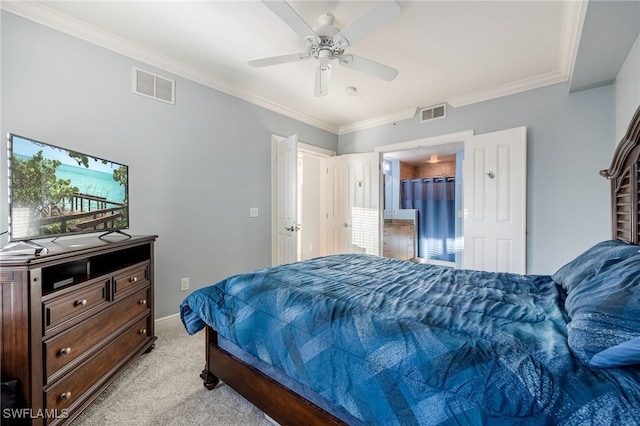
(184, 284)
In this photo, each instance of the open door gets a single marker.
(495, 201)
(354, 211)
(287, 225)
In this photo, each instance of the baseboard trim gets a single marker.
(167, 322)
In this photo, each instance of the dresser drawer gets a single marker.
(66, 347)
(61, 309)
(129, 279)
(71, 389)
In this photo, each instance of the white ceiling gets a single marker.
(458, 52)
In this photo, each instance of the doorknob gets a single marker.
(346, 225)
(290, 228)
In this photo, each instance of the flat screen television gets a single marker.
(54, 191)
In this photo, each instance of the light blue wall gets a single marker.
(569, 139)
(196, 167)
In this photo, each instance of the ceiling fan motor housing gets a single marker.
(323, 45)
(325, 26)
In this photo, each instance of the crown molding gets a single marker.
(467, 99)
(50, 18)
(575, 13)
(514, 87)
(572, 24)
(573, 21)
(378, 121)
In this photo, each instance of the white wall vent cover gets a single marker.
(153, 86)
(432, 113)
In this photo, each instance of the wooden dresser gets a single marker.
(72, 320)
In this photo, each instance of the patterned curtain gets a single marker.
(434, 198)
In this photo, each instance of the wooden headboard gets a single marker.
(624, 174)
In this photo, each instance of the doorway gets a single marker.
(423, 199)
(494, 196)
(312, 177)
(298, 197)
(322, 203)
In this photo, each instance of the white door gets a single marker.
(495, 201)
(287, 225)
(354, 221)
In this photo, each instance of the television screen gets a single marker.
(54, 191)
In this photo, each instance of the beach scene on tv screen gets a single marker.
(58, 191)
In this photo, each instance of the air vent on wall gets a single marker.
(153, 86)
(432, 113)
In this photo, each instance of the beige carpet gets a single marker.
(163, 387)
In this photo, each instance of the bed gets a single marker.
(359, 339)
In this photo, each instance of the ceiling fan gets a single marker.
(325, 42)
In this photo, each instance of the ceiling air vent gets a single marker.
(432, 113)
(153, 86)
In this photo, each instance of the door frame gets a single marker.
(432, 141)
(426, 142)
(274, 188)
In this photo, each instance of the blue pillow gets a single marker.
(586, 264)
(604, 330)
(626, 353)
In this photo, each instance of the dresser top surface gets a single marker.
(68, 247)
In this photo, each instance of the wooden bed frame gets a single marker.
(277, 401)
(288, 408)
(624, 174)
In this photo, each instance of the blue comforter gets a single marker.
(394, 342)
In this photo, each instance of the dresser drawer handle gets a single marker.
(133, 279)
(143, 302)
(66, 395)
(64, 351)
(142, 331)
(81, 302)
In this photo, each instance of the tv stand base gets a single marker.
(117, 231)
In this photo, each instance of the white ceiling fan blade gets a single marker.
(368, 66)
(323, 74)
(275, 60)
(290, 17)
(380, 14)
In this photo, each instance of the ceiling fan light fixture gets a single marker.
(325, 55)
